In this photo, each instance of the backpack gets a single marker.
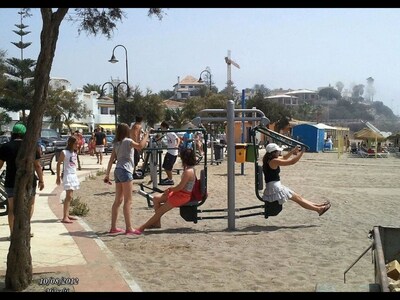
(199, 192)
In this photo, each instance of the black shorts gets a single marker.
(11, 191)
(169, 161)
(136, 156)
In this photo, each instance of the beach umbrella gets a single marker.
(368, 134)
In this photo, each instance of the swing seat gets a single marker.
(188, 211)
(272, 209)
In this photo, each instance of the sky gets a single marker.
(280, 48)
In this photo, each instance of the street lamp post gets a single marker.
(114, 60)
(201, 80)
(115, 97)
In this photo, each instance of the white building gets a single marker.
(103, 111)
(187, 87)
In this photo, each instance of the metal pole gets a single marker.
(126, 66)
(114, 60)
(243, 128)
(231, 163)
(115, 107)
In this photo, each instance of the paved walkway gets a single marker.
(73, 249)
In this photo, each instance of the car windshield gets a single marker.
(110, 138)
(49, 134)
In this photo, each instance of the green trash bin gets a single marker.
(250, 156)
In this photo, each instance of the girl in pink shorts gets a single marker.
(174, 196)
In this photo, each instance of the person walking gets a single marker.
(171, 155)
(123, 175)
(100, 138)
(78, 137)
(8, 153)
(69, 159)
(274, 190)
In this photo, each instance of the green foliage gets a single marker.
(87, 88)
(2, 68)
(304, 111)
(166, 94)
(18, 90)
(339, 86)
(100, 172)
(383, 110)
(194, 105)
(329, 93)
(63, 108)
(347, 110)
(358, 91)
(4, 118)
(175, 117)
(231, 93)
(262, 89)
(275, 112)
(149, 106)
(78, 208)
(103, 20)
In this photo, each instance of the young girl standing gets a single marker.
(69, 159)
(123, 153)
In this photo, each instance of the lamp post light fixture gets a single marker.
(113, 60)
(201, 80)
(115, 97)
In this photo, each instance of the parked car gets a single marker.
(52, 140)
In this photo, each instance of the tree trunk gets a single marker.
(19, 260)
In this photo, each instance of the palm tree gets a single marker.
(87, 88)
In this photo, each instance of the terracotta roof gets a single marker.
(190, 80)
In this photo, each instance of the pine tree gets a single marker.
(18, 87)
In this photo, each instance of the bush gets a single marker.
(100, 172)
(78, 208)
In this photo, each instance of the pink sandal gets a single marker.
(135, 231)
(116, 230)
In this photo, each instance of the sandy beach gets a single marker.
(290, 252)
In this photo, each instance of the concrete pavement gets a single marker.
(72, 249)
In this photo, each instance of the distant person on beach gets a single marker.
(198, 143)
(69, 159)
(100, 139)
(123, 175)
(173, 142)
(174, 196)
(347, 143)
(274, 190)
(329, 143)
(186, 139)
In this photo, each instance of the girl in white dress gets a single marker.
(69, 159)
